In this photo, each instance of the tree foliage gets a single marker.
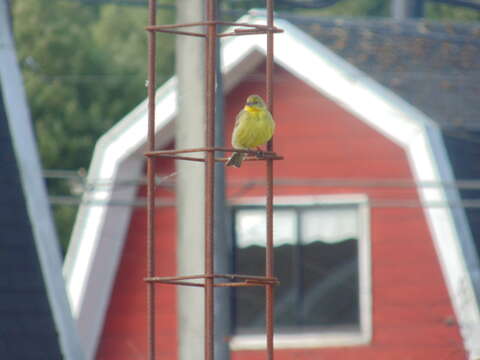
(444, 12)
(84, 68)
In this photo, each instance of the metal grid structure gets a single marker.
(209, 280)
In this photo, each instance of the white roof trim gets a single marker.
(329, 74)
(34, 190)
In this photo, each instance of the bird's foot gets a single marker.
(260, 153)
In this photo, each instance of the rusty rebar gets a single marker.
(205, 149)
(176, 32)
(207, 23)
(269, 264)
(221, 159)
(151, 182)
(231, 277)
(240, 32)
(209, 277)
(210, 62)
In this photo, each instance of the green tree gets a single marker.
(84, 69)
(348, 8)
(443, 12)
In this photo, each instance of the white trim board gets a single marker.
(91, 264)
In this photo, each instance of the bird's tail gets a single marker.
(235, 160)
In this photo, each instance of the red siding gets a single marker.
(124, 334)
(411, 310)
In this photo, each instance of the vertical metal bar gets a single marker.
(298, 270)
(269, 290)
(209, 180)
(151, 182)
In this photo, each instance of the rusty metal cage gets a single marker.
(209, 279)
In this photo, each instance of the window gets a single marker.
(320, 254)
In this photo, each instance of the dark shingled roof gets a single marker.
(27, 329)
(433, 66)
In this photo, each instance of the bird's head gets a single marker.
(255, 101)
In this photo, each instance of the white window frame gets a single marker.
(328, 338)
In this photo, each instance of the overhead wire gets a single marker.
(244, 186)
(166, 180)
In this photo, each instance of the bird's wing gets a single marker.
(238, 118)
(238, 129)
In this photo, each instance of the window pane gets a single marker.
(329, 224)
(330, 266)
(250, 227)
(318, 272)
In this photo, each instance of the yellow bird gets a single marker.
(254, 126)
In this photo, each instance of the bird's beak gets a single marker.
(250, 103)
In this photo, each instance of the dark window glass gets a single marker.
(316, 261)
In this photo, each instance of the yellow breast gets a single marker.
(255, 127)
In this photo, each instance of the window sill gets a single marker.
(300, 341)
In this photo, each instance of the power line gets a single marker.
(244, 186)
(168, 181)
(169, 202)
(461, 3)
(304, 4)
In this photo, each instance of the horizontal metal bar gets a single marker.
(251, 32)
(179, 282)
(179, 157)
(263, 29)
(221, 159)
(240, 32)
(205, 23)
(241, 284)
(209, 149)
(181, 151)
(255, 29)
(177, 151)
(231, 23)
(175, 26)
(176, 32)
(224, 284)
(184, 277)
(262, 157)
(248, 277)
(247, 280)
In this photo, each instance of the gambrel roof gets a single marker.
(100, 231)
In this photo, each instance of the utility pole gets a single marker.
(222, 240)
(190, 133)
(407, 9)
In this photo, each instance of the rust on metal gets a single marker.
(209, 280)
(211, 43)
(177, 32)
(151, 181)
(253, 154)
(223, 159)
(213, 22)
(239, 32)
(204, 149)
(269, 270)
(231, 277)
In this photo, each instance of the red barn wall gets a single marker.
(412, 313)
(124, 335)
